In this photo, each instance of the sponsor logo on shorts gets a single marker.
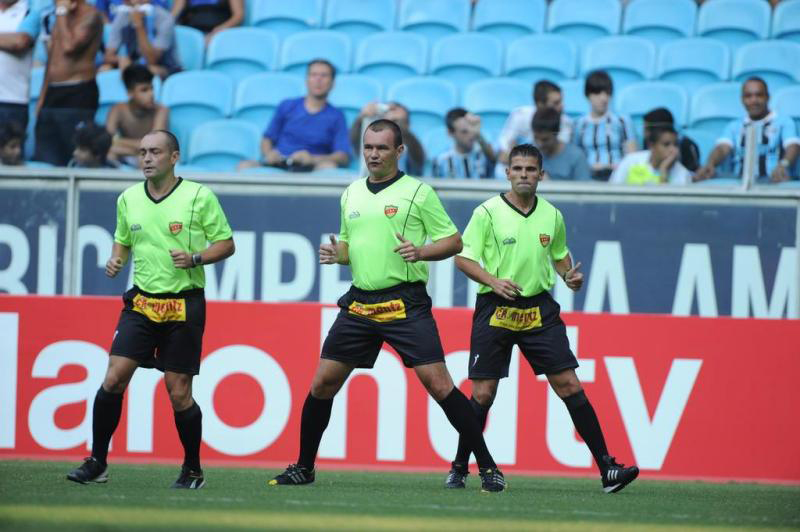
(390, 210)
(175, 227)
(136, 227)
(391, 310)
(510, 240)
(516, 319)
(160, 310)
(354, 214)
(544, 239)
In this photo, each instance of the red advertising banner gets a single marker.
(681, 397)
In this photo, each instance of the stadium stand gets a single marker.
(191, 47)
(584, 20)
(392, 56)
(557, 58)
(502, 19)
(493, 99)
(575, 102)
(434, 20)
(436, 141)
(220, 145)
(466, 57)
(787, 102)
(627, 59)
(240, 52)
(694, 62)
(786, 21)
(660, 21)
(735, 22)
(300, 48)
(776, 62)
(286, 18)
(360, 18)
(637, 99)
(427, 98)
(352, 91)
(713, 106)
(256, 105)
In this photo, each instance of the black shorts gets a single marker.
(162, 331)
(400, 316)
(533, 323)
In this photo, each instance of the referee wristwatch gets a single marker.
(197, 259)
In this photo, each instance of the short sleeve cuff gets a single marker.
(791, 140)
(556, 257)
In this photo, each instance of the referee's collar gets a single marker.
(535, 203)
(165, 196)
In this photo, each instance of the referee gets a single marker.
(166, 222)
(518, 237)
(385, 221)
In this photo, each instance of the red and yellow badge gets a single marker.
(544, 239)
(390, 210)
(175, 227)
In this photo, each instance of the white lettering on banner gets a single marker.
(275, 246)
(46, 260)
(262, 367)
(41, 415)
(17, 242)
(98, 238)
(501, 425)
(607, 275)
(9, 338)
(695, 277)
(748, 285)
(331, 285)
(238, 272)
(651, 439)
(440, 286)
(141, 398)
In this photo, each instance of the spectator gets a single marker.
(92, 143)
(517, 129)
(763, 144)
(15, 60)
(307, 133)
(659, 164)
(209, 16)
(69, 93)
(412, 160)
(146, 35)
(689, 152)
(471, 156)
(604, 136)
(12, 137)
(129, 121)
(560, 160)
(108, 8)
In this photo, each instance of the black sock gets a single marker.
(481, 412)
(105, 418)
(587, 425)
(459, 412)
(189, 423)
(316, 414)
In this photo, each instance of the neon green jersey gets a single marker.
(515, 246)
(369, 224)
(187, 219)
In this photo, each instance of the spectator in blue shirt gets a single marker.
(307, 133)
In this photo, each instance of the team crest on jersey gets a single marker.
(175, 227)
(544, 239)
(390, 210)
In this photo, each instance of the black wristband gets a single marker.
(197, 259)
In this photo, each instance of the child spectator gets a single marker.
(92, 143)
(12, 137)
(654, 166)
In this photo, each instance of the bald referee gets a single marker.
(172, 226)
(386, 220)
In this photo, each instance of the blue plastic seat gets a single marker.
(776, 62)
(786, 21)
(640, 98)
(787, 102)
(351, 92)
(191, 47)
(575, 102)
(360, 18)
(735, 22)
(392, 56)
(532, 58)
(660, 20)
(300, 48)
(286, 18)
(714, 106)
(493, 99)
(220, 145)
(509, 19)
(584, 20)
(436, 141)
(258, 96)
(627, 59)
(705, 141)
(240, 52)
(466, 57)
(434, 20)
(195, 97)
(694, 62)
(427, 98)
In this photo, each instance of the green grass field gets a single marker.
(36, 496)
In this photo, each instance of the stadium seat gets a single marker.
(705, 141)
(360, 18)
(776, 62)
(436, 141)
(786, 21)
(713, 106)
(584, 20)
(627, 59)
(694, 62)
(392, 56)
(787, 102)
(502, 19)
(735, 22)
(640, 98)
(493, 99)
(427, 98)
(220, 145)
(352, 91)
(195, 97)
(240, 52)
(434, 20)
(575, 102)
(546, 56)
(286, 18)
(466, 57)
(191, 47)
(258, 96)
(660, 21)
(300, 48)
(112, 91)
